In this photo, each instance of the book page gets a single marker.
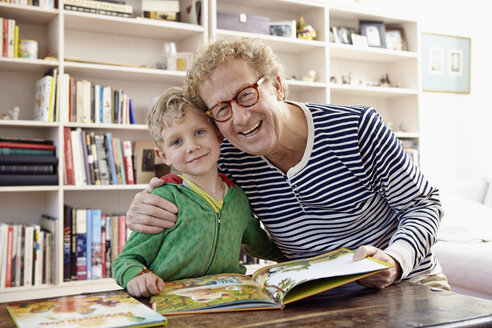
(210, 293)
(279, 279)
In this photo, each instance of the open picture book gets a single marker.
(105, 309)
(271, 287)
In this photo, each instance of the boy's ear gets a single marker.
(162, 156)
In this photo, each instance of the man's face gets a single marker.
(255, 129)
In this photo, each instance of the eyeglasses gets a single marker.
(246, 97)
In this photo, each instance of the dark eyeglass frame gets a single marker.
(229, 102)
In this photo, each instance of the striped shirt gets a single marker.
(354, 186)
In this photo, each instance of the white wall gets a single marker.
(456, 130)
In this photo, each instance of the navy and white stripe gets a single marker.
(356, 186)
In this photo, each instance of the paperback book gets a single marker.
(271, 287)
(106, 309)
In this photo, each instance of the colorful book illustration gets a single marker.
(271, 287)
(106, 309)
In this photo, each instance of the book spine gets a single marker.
(5, 37)
(86, 102)
(14, 255)
(102, 160)
(95, 162)
(86, 164)
(116, 106)
(11, 38)
(131, 111)
(1, 37)
(107, 91)
(96, 244)
(73, 244)
(103, 246)
(78, 160)
(6, 144)
(112, 164)
(121, 162)
(38, 244)
(8, 261)
(48, 257)
(90, 159)
(27, 169)
(3, 253)
(28, 179)
(67, 144)
(19, 259)
(71, 99)
(26, 151)
(67, 223)
(127, 153)
(109, 232)
(117, 161)
(121, 232)
(28, 255)
(27, 159)
(114, 238)
(89, 243)
(81, 244)
(93, 103)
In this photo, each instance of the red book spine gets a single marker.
(69, 174)
(121, 232)
(127, 154)
(7, 144)
(103, 249)
(10, 238)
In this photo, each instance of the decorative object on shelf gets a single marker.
(191, 11)
(375, 33)
(304, 31)
(285, 28)
(179, 61)
(345, 34)
(168, 50)
(28, 49)
(395, 38)
(310, 77)
(359, 40)
(158, 9)
(347, 79)
(14, 113)
(243, 22)
(333, 79)
(99, 7)
(445, 63)
(385, 81)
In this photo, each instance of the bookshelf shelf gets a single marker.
(136, 44)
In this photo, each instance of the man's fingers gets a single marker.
(364, 251)
(154, 183)
(159, 202)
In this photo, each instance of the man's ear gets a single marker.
(279, 90)
(220, 137)
(162, 156)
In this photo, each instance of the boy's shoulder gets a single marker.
(172, 179)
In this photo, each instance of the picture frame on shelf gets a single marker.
(284, 29)
(375, 32)
(345, 34)
(395, 38)
(446, 63)
(359, 41)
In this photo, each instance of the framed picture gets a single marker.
(445, 63)
(286, 29)
(359, 40)
(145, 161)
(395, 38)
(345, 34)
(375, 33)
(179, 61)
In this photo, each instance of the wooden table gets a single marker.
(401, 305)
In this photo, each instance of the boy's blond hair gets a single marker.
(257, 53)
(169, 108)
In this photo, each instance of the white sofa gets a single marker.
(464, 248)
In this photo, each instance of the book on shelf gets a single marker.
(42, 94)
(28, 255)
(127, 155)
(26, 145)
(111, 158)
(28, 159)
(162, 15)
(67, 235)
(4, 249)
(28, 179)
(88, 215)
(81, 244)
(48, 225)
(27, 169)
(25, 151)
(271, 287)
(102, 159)
(103, 309)
(96, 238)
(1, 37)
(68, 157)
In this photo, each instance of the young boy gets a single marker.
(214, 214)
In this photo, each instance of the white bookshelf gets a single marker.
(96, 40)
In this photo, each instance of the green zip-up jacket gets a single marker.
(202, 242)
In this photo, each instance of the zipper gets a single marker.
(216, 239)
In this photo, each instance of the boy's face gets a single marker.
(192, 145)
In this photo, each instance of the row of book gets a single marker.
(27, 253)
(97, 159)
(91, 242)
(37, 3)
(27, 162)
(86, 101)
(111, 8)
(9, 38)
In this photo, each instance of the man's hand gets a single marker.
(145, 285)
(150, 213)
(384, 278)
